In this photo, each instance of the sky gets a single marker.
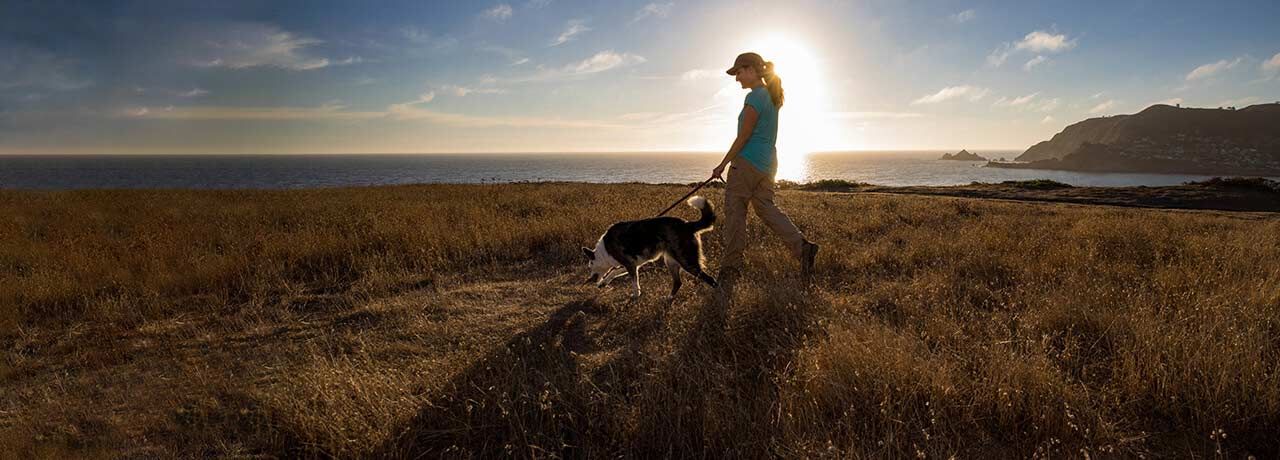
(316, 76)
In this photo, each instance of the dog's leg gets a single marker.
(634, 271)
(705, 277)
(691, 260)
(613, 275)
(605, 278)
(673, 267)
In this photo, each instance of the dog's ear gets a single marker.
(591, 255)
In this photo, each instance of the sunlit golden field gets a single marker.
(450, 320)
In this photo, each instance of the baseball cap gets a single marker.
(751, 59)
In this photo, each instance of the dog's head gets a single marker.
(599, 264)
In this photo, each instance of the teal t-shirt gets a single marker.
(761, 148)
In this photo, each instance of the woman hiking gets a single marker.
(753, 163)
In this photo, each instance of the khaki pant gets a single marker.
(747, 185)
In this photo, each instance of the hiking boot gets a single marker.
(808, 255)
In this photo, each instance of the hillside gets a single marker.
(1164, 138)
(450, 320)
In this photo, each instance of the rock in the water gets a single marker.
(962, 155)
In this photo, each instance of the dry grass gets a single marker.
(449, 320)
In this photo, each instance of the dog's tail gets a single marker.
(708, 214)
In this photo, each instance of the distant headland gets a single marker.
(962, 155)
(1165, 139)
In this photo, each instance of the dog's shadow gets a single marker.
(522, 397)
(659, 378)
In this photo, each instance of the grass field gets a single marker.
(451, 320)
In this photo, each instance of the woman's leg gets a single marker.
(775, 219)
(737, 193)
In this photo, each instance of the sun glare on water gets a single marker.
(803, 125)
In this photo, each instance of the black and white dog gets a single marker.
(629, 245)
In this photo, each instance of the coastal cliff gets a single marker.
(1166, 139)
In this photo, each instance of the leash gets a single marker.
(686, 196)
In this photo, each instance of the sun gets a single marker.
(803, 124)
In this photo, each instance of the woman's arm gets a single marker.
(749, 116)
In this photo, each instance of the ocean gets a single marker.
(68, 172)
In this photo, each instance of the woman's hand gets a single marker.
(748, 125)
(716, 173)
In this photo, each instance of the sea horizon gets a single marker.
(319, 170)
(543, 152)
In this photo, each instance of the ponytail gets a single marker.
(773, 83)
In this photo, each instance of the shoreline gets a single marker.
(1174, 168)
(1254, 194)
(1222, 194)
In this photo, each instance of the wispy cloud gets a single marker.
(963, 16)
(1047, 119)
(1170, 101)
(410, 105)
(871, 115)
(326, 112)
(26, 67)
(244, 45)
(500, 12)
(971, 93)
(1044, 42)
(460, 91)
(997, 56)
(702, 115)
(572, 29)
(640, 116)
(599, 62)
(1035, 61)
(514, 56)
(1015, 102)
(700, 74)
(1103, 107)
(411, 113)
(1030, 102)
(135, 111)
(1049, 105)
(407, 111)
(1241, 102)
(660, 10)
(1271, 66)
(193, 92)
(537, 3)
(1211, 69)
(1036, 42)
(426, 40)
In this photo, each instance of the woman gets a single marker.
(753, 161)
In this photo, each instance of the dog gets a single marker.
(631, 244)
